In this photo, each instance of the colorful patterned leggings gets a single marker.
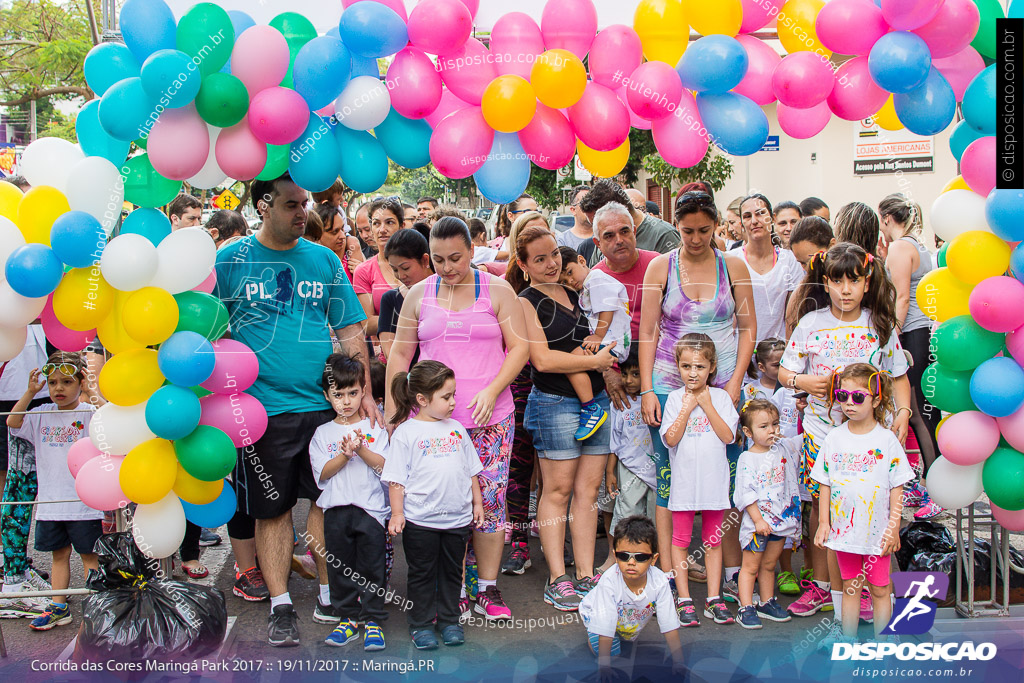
(16, 520)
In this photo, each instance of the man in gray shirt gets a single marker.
(652, 233)
(580, 236)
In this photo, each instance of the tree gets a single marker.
(714, 168)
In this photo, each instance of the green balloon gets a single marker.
(277, 162)
(962, 344)
(948, 390)
(985, 40)
(207, 453)
(1003, 478)
(142, 143)
(297, 31)
(206, 34)
(202, 313)
(942, 249)
(144, 186)
(222, 100)
(200, 392)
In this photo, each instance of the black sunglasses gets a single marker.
(623, 556)
(858, 396)
(695, 197)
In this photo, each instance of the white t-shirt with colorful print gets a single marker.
(770, 480)
(611, 609)
(356, 483)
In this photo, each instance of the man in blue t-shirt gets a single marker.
(285, 296)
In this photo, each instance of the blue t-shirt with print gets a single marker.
(284, 305)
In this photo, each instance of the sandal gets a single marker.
(697, 575)
(200, 572)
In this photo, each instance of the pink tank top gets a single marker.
(469, 342)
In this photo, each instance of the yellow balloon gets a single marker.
(941, 296)
(195, 491)
(977, 255)
(148, 471)
(10, 197)
(663, 29)
(39, 208)
(796, 27)
(942, 422)
(83, 299)
(957, 183)
(509, 103)
(719, 17)
(886, 117)
(131, 377)
(150, 315)
(604, 164)
(558, 78)
(111, 330)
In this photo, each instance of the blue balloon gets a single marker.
(166, 78)
(95, 140)
(997, 387)
(150, 223)
(961, 138)
(321, 70)
(735, 123)
(1004, 211)
(371, 29)
(979, 105)
(364, 66)
(124, 109)
(212, 515)
(713, 64)
(108, 63)
(186, 359)
(1017, 262)
(364, 164)
(33, 270)
(77, 239)
(147, 26)
(313, 159)
(173, 412)
(505, 174)
(929, 108)
(899, 61)
(406, 141)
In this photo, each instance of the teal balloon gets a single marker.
(364, 163)
(166, 78)
(277, 162)
(962, 344)
(93, 138)
(173, 412)
(928, 108)
(125, 108)
(147, 26)
(979, 105)
(405, 141)
(941, 256)
(735, 123)
(506, 173)
(948, 390)
(212, 515)
(313, 161)
(108, 63)
(150, 223)
(961, 138)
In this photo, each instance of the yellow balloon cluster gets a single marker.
(148, 471)
(37, 211)
(722, 17)
(796, 27)
(663, 29)
(604, 164)
(886, 117)
(111, 330)
(942, 296)
(150, 315)
(196, 491)
(957, 183)
(509, 103)
(559, 78)
(977, 255)
(83, 298)
(10, 197)
(130, 377)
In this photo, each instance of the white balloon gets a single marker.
(210, 176)
(956, 212)
(159, 528)
(185, 258)
(10, 239)
(129, 262)
(363, 104)
(96, 187)
(12, 341)
(48, 161)
(17, 310)
(954, 486)
(117, 429)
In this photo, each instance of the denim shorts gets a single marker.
(759, 543)
(552, 421)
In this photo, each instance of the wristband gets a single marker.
(646, 392)
(792, 381)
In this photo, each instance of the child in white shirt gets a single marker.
(763, 376)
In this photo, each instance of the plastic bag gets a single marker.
(926, 547)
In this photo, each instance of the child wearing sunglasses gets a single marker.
(861, 470)
(628, 595)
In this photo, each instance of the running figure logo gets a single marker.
(916, 595)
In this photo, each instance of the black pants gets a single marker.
(435, 558)
(355, 563)
(926, 416)
(189, 549)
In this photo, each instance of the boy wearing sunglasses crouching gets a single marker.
(627, 596)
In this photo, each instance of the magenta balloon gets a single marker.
(634, 120)
(600, 119)
(997, 303)
(855, 95)
(239, 154)
(98, 483)
(569, 25)
(179, 143)
(1012, 520)
(414, 83)
(277, 116)
(906, 15)
(63, 338)
(449, 104)
(81, 452)
(616, 50)
(241, 416)
(548, 139)
(759, 13)
(397, 5)
(802, 80)
(681, 138)
(978, 165)
(969, 437)
(260, 58)
(850, 27)
(960, 69)
(515, 41)
(460, 143)
(235, 367)
(472, 5)
(952, 29)
(653, 90)
(468, 70)
(440, 27)
(803, 123)
(761, 63)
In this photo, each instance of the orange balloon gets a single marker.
(559, 78)
(509, 103)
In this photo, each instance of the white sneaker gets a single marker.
(18, 608)
(38, 582)
(835, 635)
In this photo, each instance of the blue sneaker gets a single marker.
(747, 617)
(345, 633)
(373, 637)
(424, 639)
(453, 635)
(53, 616)
(773, 611)
(590, 419)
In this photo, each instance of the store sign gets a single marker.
(877, 151)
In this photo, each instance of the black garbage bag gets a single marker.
(926, 547)
(138, 616)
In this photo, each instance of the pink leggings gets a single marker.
(710, 528)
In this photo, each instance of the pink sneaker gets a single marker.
(464, 611)
(811, 601)
(867, 612)
(929, 510)
(490, 604)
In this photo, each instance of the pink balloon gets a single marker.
(240, 416)
(952, 28)
(548, 139)
(1015, 344)
(440, 27)
(855, 95)
(616, 50)
(1011, 427)
(460, 143)
(417, 85)
(208, 284)
(515, 41)
(449, 104)
(850, 27)
(803, 123)
(681, 139)
(472, 5)
(326, 111)
(759, 13)
(239, 154)
(235, 367)
(634, 121)
(1013, 520)
(997, 303)
(803, 80)
(960, 69)
(260, 58)
(179, 143)
(277, 116)
(569, 25)
(397, 5)
(599, 118)
(468, 70)
(906, 15)
(761, 63)
(653, 90)
(967, 438)
(81, 452)
(978, 165)
(98, 483)
(60, 336)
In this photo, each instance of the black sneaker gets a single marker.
(518, 560)
(325, 614)
(249, 585)
(716, 609)
(207, 538)
(283, 627)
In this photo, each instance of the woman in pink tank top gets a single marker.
(472, 322)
